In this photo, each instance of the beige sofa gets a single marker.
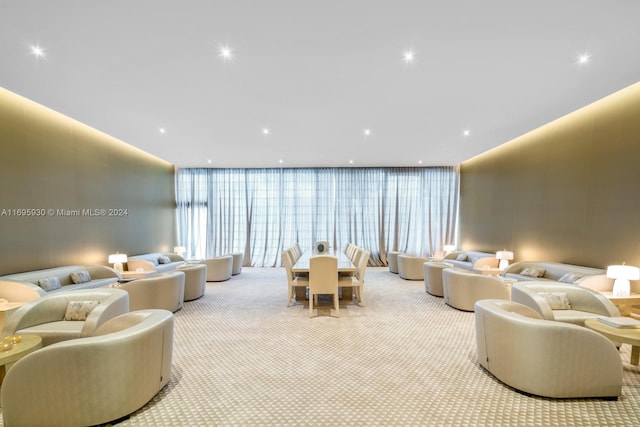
(94, 380)
(161, 291)
(155, 261)
(462, 289)
(542, 357)
(469, 260)
(563, 302)
(25, 285)
(557, 272)
(45, 316)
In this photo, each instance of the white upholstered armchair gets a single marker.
(542, 357)
(46, 316)
(462, 289)
(563, 302)
(219, 269)
(92, 380)
(411, 267)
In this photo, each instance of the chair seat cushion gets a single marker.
(53, 332)
(576, 317)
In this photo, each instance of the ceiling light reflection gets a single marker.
(226, 53)
(37, 51)
(583, 59)
(409, 56)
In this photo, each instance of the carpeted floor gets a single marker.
(242, 358)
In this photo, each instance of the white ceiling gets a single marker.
(317, 73)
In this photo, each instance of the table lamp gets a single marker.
(504, 257)
(117, 260)
(622, 274)
(180, 250)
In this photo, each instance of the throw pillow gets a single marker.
(569, 278)
(557, 300)
(164, 260)
(82, 276)
(49, 283)
(79, 310)
(461, 257)
(533, 272)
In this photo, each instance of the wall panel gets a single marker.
(52, 162)
(568, 190)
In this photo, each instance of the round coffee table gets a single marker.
(624, 335)
(28, 344)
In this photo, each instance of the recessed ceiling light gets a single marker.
(162, 131)
(367, 132)
(419, 162)
(350, 162)
(37, 51)
(281, 161)
(466, 132)
(265, 131)
(209, 161)
(226, 53)
(409, 56)
(583, 59)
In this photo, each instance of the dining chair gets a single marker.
(357, 281)
(323, 280)
(292, 280)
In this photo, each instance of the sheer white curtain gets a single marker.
(262, 211)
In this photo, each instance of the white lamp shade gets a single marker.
(179, 249)
(508, 255)
(115, 258)
(622, 274)
(626, 272)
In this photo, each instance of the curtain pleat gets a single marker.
(260, 212)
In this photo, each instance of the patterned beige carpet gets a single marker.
(242, 358)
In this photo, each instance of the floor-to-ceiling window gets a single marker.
(259, 212)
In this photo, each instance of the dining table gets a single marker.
(344, 263)
(302, 266)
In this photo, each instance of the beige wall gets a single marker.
(566, 192)
(51, 162)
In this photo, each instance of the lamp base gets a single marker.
(621, 288)
(118, 267)
(503, 264)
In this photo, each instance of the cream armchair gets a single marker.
(45, 316)
(164, 290)
(411, 267)
(542, 357)
(219, 269)
(563, 302)
(462, 288)
(93, 380)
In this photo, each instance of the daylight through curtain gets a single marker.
(260, 212)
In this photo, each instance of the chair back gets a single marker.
(288, 264)
(323, 274)
(362, 265)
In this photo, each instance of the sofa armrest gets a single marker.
(597, 282)
(102, 272)
(14, 291)
(593, 302)
(134, 264)
(108, 309)
(488, 262)
(36, 312)
(530, 298)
